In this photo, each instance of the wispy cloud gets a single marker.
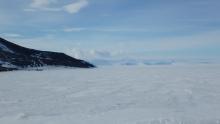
(104, 29)
(74, 29)
(80, 29)
(51, 5)
(11, 35)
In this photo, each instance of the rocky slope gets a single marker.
(15, 57)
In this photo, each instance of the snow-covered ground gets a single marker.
(162, 94)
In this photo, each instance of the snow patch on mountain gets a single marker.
(7, 65)
(4, 48)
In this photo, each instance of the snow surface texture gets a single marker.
(177, 94)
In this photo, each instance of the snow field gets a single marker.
(166, 94)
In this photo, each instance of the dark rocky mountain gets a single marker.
(15, 57)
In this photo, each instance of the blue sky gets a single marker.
(115, 28)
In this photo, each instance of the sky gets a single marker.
(115, 28)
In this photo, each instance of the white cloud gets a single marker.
(51, 5)
(76, 6)
(43, 5)
(43, 9)
(89, 54)
(39, 4)
(76, 53)
(100, 53)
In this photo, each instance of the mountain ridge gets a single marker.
(16, 57)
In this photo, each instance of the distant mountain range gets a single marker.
(15, 57)
(151, 62)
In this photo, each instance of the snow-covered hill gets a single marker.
(14, 57)
(177, 94)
